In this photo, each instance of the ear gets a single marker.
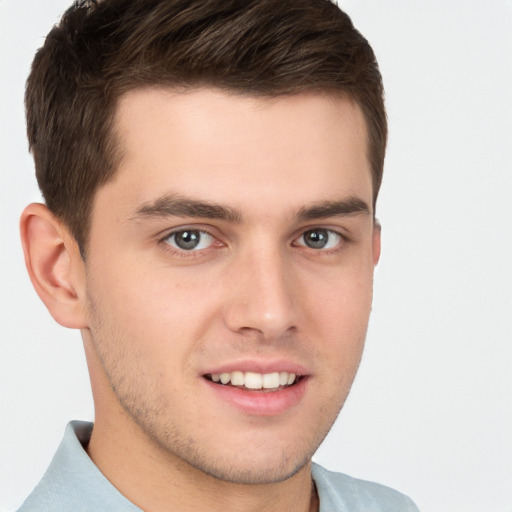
(54, 264)
(377, 229)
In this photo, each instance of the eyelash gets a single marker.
(341, 240)
(183, 253)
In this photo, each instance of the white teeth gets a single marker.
(252, 380)
(237, 378)
(271, 380)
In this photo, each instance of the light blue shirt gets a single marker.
(72, 483)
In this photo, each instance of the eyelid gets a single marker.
(163, 237)
(204, 240)
(343, 238)
(203, 228)
(217, 239)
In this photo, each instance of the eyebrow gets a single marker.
(179, 206)
(346, 207)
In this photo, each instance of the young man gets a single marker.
(210, 171)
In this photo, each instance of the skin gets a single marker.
(156, 319)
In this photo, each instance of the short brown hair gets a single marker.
(102, 49)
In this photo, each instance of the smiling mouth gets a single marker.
(255, 381)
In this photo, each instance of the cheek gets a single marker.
(343, 298)
(155, 311)
(338, 313)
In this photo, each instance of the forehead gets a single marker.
(232, 148)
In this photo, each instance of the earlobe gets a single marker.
(54, 265)
(377, 230)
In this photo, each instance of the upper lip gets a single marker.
(259, 366)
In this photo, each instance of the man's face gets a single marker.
(235, 243)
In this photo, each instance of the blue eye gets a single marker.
(189, 240)
(319, 238)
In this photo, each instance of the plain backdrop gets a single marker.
(431, 409)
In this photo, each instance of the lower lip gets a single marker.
(260, 403)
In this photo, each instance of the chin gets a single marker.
(249, 472)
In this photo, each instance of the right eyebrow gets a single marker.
(179, 206)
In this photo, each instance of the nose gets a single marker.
(261, 299)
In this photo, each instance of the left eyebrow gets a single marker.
(342, 208)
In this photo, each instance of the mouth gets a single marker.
(253, 381)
